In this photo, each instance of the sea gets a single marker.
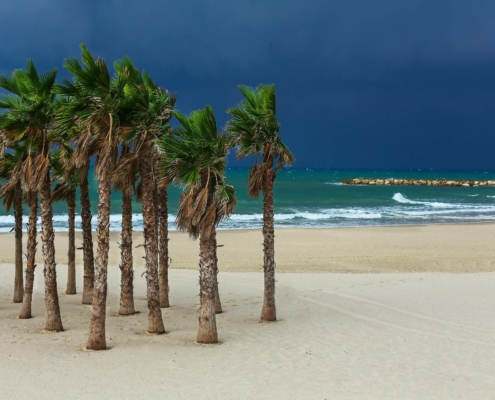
(315, 198)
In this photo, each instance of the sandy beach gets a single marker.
(364, 313)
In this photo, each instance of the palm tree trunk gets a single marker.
(89, 268)
(27, 300)
(163, 247)
(126, 266)
(71, 254)
(18, 281)
(207, 330)
(156, 208)
(53, 319)
(155, 321)
(218, 303)
(268, 312)
(96, 338)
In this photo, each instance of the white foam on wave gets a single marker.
(322, 215)
(473, 195)
(400, 198)
(403, 210)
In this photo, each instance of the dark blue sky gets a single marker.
(360, 84)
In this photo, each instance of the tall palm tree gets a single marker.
(149, 108)
(66, 180)
(255, 129)
(194, 157)
(87, 233)
(163, 243)
(124, 179)
(12, 194)
(93, 107)
(30, 113)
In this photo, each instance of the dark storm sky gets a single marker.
(360, 83)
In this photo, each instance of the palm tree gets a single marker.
(93, 107)
(11, 169)
(31, 107)
(194, 157)
(11, 193)
(148, 108)
(86, 216)
(12, 196)
(255, 129)
(66, 178)
(124, 179)
(163, 243)
(32, 199)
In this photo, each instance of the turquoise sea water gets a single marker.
(314, 198)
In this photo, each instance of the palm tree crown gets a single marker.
(194, 157)
(255, 130)
(30, 110)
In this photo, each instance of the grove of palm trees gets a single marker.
(54, 132)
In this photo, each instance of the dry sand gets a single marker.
(387, 335)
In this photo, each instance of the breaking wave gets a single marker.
(402, 199)
(391, 210)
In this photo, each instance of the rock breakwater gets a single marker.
(416, 182)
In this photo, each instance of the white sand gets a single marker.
(339, 336)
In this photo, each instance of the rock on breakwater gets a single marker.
(416, 182)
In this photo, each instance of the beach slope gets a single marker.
(391, 334)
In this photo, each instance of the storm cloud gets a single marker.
(382, 84)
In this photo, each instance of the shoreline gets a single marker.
(297, 227)
(454, 248)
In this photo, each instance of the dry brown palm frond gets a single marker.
(82, 149)
(124, 175)
(224, 211)
(60, 192)
(8, 190)
(8, 196)
(255, 180)
(27, 171)
(163, 181)
(93, 148)
(200, 203)
(194, 232)
(182, 219)
(220, 210)
(285, 159)
(186, 203)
